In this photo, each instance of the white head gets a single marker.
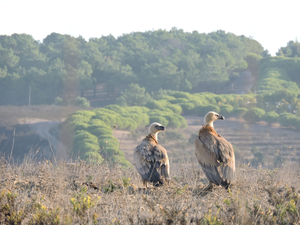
(210, 117)
(154, 128)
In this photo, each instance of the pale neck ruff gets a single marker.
(209, 123)
(155, 135)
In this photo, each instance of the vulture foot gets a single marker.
(208, 188)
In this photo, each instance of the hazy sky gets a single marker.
(271, 22)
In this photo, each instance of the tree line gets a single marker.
(171, 60)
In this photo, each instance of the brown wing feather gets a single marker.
(151, 160)
(216, 156)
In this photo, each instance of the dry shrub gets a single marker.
(82, 193)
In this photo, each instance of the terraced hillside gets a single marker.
(274, 142)
(251, 141)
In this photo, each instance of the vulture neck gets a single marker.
(154, 135)
(209, 123)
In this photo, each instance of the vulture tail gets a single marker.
(213, 175)
(165, 173)
(153, 176)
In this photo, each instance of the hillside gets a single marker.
(276, 144)
(64, 66)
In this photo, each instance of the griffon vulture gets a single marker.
(214, 153)
(151, 159)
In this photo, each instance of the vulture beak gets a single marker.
(221, 117)
(161, 128)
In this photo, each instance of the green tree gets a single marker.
(253, 61)
(134, 95)
(253, 115)
(270, 117)
(80, 101)
(291, 50)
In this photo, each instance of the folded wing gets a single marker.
(216, 157)
(151, 161)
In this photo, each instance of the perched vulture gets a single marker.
(151, 159)
(214, 153)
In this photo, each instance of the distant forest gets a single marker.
(63, 66)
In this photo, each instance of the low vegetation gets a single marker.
(90, 133)
(270, 107)
(83, 193)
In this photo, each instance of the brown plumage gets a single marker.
(215, 154)
(151, 159)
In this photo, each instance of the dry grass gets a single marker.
(80, 193)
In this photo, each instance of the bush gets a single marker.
(179, 101)
(81, 135)
(226, 110)
(141, 120)
(159, 119)
(175, 108)
(74, 126)
(220, 99)
(152, 104)
(77, 118)
(58, 101)
(270, 117)
(115, 108)
(187, 107)
(132, 125)
(96, 123)
(202, 110)
(197, 102)
(94, 133)
(134, 96)
(297, 123)
(210, 98)
(100, 131)
(84, 142)
(80, 101)
(120, 159)
(93, 157)
(254, 115)
(183, 95)
(136, 109)
(239, 112)
(108, 140)
(287, 119)
(173, 121)
(182, 120)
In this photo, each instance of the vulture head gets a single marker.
(154, 128)
(210, 117)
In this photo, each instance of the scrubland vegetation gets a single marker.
(82, 193)
(156, 76)
(91, 132)
(270, 107)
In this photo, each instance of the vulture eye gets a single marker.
(156, 126)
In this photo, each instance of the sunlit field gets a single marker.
(73, 110)
(80, 193)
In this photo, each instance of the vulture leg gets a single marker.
(207, 188)
(145, 182)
